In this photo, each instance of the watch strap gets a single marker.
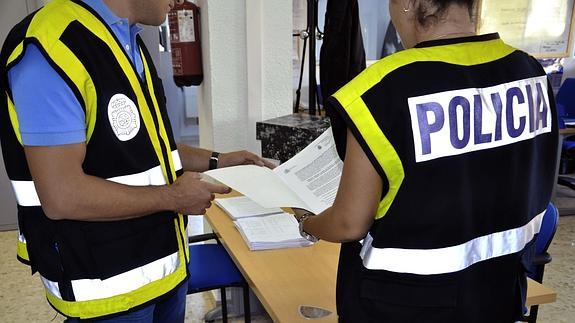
(213, 164)
(302, 232)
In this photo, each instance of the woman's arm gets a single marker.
(356, 203)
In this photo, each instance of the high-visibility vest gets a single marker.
(464, 136)
(94, 269)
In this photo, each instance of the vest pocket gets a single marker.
(100, 250)
(40, 242)
(123, 252)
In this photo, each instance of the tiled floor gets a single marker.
(560, 274)
(22, 300)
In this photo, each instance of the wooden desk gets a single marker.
(567, 131)
(284, 279)
(538, 294)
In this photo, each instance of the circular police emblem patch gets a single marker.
(124, 117)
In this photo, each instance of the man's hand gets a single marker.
(193, 196)
(242, 158)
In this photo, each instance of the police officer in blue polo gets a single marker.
(449, 166)
(103, 189)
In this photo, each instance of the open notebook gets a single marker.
(262, 228)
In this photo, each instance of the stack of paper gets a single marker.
(242, 207)
(271, 232)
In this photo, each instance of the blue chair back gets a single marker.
(548, 228)
(566, 99)
(546, 233)
(541, 257)
(211, 267)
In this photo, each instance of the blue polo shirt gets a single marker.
(48, 112)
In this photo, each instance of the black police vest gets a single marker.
(464, 135)
(94, 269)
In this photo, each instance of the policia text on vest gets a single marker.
(477, 119)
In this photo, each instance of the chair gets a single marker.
(212, 268)
(542, 257)
(566, 114)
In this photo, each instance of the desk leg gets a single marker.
(554, 191)
(562, 210)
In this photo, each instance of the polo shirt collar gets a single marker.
(108, 15)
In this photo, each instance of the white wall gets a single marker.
(269, 62)
(222, 103)
(246, 48)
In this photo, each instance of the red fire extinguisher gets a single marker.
(184, 20)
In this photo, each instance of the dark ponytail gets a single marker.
(430, 11)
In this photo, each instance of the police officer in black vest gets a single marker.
(103, 190)
(449, 167)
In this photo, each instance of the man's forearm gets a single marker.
(194, 159)
(90, 198)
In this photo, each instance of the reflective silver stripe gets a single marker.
(450, 259)
(91, 289)
(21, 237)
(51, 287)
(153, 176)
(26, 194)
(177, 160)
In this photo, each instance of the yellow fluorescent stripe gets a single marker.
(465, 54)
(163, 133)
(11, 108)
(22, 251)
(14, 119)
(184, 235)
(75, 70)
(16, 53)
(382, 149)
(183, 246)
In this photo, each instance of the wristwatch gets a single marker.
(214, 160)
(305, 235)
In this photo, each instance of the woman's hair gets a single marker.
(430, 11)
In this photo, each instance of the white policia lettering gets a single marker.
(461, 121)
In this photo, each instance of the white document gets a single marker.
(242, 207)
(271, 232)
(309, 180)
